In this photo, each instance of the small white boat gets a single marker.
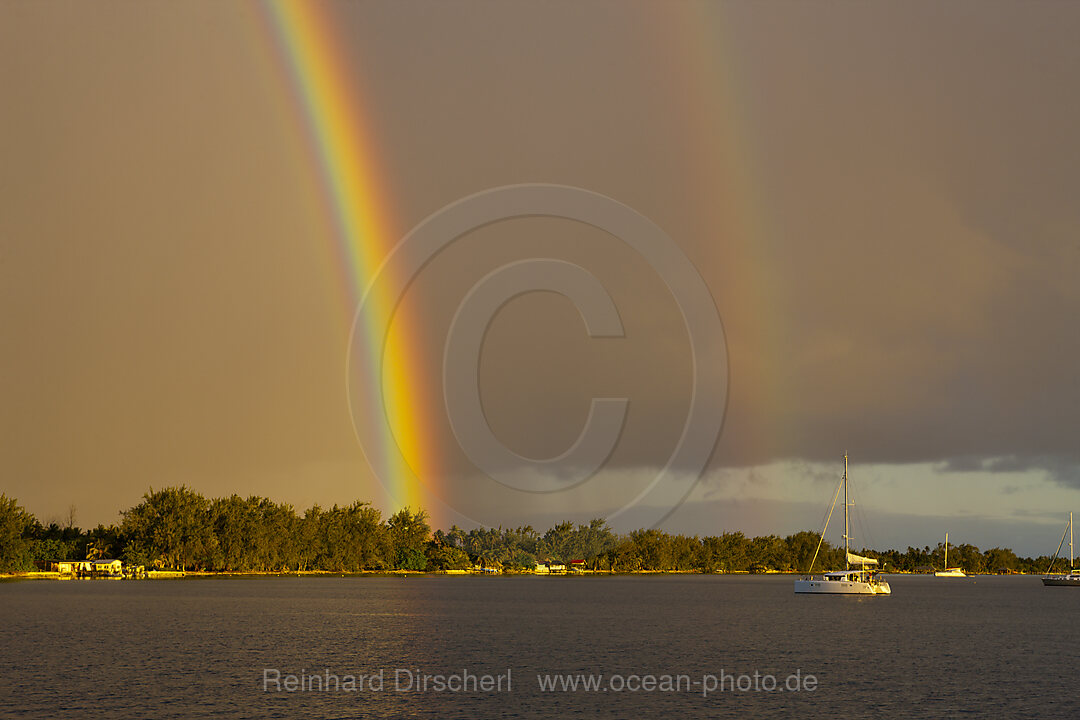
(948, 571)
(862, 579)
(1071, 578)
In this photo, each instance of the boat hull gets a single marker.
(841, 587)
(1062, 580)
(950, 573)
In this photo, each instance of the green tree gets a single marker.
(441, 556)
(54, 542)
(1001, 559)
(800, 549)
(594, 541)
(235, 527)
(15, 527)
(685, 553)
(409, 533)
(280, 527)
(352, 538)
(170, 528)
(558, 542)
(103, 543)
(652, 549)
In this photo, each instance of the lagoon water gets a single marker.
(982, 647)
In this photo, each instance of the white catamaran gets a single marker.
(948, 571)
(1071, 578)
(862, 579)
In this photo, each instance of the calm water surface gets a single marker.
(988, 647)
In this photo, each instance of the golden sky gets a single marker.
(879, 197)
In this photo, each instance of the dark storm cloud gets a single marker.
(1062, 469)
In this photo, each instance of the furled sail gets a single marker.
(854, 559)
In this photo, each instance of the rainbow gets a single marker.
(719, 116)
(344, 153)
(327, 96)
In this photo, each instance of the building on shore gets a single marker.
(70, 567)
(107, 568)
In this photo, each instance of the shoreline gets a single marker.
(205, 574)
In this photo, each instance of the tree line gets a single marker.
(178, 528)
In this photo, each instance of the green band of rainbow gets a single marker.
(342, 147)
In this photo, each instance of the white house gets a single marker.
(71, 567)
(107, 567)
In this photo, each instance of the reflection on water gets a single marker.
(989, 646)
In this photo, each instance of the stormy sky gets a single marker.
(880, 199)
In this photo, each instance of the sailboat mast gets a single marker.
(847, 549)
(1070, 544)
(946, 551)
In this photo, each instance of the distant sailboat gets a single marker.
(948, 571)
(851, 581)
(1071, 578)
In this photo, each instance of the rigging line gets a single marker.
(860, 519)
(1057, 551)
(864, 527)
(828, 510)
(826, 528)
(824, 515)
